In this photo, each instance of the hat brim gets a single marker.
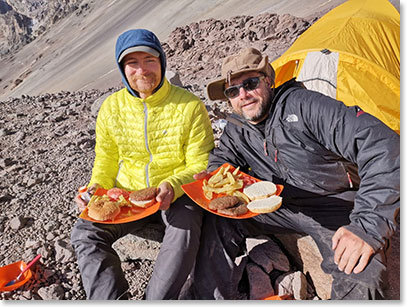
(215, 89)
(146, 49)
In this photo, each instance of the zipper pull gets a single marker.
(275, 155)
(265, 147)
(350, 180)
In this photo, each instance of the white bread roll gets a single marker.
(260, 190)
(265, 205)
(143, 203)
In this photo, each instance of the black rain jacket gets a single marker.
(325, 154)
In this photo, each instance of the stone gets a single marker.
(18, 222)
(133, 247)
(259, 281)
(258, 255)
(292, 283)
(268, 255)
(305, 253)
(63, 252)
(52, 292)
(173, 78)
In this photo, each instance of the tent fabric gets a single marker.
(319, 72)
(366, 36)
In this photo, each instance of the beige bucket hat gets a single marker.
(249, 59)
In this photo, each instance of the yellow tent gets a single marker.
(352, 54)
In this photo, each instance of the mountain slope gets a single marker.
(77, 52)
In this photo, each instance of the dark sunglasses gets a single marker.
(249, 84)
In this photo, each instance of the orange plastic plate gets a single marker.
(194, 191)
(11, 271)
(126, 214)
(279, 298)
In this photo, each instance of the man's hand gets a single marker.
(201, 175)
(351, 253)
(80, 202)
(165, 195)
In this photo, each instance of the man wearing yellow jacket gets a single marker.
(149, 134)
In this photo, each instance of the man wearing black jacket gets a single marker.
(340, 168)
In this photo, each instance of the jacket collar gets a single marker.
(157, 97)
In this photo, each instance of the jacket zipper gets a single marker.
(347, 175)
(266, 152)
(265, 147)
(146, 143)
(350, 180)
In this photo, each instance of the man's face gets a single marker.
(252, 105)
(143, 72)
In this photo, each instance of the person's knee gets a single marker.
(185, 215)
(86, 233)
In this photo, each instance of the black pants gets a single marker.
(216, 275)
(100, 266)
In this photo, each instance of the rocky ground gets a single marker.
(47, 145)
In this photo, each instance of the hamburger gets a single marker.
(103, 209)
(228, 205)
(143, 198)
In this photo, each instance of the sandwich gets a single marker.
(101, 208)
(143, 198)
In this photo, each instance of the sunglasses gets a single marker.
(249, 84)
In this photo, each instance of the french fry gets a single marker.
(208, 195)
(232, 179)
(223, 182)
(241, 195)
(217, 177)
(226, 170)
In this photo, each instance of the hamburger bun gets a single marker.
(143, 198)
(103, 209)
(260, 190)
(265, 205)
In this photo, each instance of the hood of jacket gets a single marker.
(139, 37)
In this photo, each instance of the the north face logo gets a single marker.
(292, 118)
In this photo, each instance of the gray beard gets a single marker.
(264, 110)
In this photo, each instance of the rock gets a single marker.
(48, 273)
(132, 247)
(64, 252)
(52, 292)
(268, 255)
(294, 283)
(259, 281)
(97, 103)
(256, 249)
(18, 222)
(305, 253)
(173, 78)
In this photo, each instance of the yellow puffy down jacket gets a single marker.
(143, 142)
